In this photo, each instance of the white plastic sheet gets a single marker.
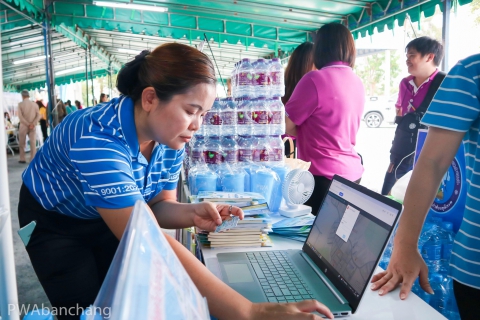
(146, 280)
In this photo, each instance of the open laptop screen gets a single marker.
(349, 234)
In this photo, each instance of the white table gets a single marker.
(372, 307)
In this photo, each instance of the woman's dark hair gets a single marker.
(299, 63)
(426, 45)
(40, 104)
(171, 69)
(77, 103)
(334, 42)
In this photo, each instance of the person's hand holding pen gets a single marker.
(209, 215)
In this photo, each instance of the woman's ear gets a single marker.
(149, 99)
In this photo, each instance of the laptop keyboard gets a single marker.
(278, 277)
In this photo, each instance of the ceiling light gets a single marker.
(29, 60)
(131, 51)
(129, 6)
(69, 70)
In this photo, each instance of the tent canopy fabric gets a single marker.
(234, 29)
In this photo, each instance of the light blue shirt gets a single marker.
(456, 106)
(92, 159)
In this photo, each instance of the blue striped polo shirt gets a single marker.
(93, 159)
(456, 106)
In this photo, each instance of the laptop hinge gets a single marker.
(323, 277)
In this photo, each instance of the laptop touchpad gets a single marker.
(238, 273)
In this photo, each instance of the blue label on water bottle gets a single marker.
(432, 252)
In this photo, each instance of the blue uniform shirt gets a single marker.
(456, 106)
(92, 159)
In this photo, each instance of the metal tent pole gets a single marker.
(91, 77)
(9, 309)
(86, 76)
(447, 6)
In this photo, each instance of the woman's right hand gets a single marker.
(289, 311)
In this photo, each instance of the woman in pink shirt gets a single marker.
(325, 110)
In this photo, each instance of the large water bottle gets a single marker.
(213, 152)
(198, 150)
(244, 79)
(244, 116)
(277, 84)
(277, 120)
(213, 119)
(260, 116)
(447, 237)
(451, 307)
(277, 150)
(424, 235)
(261, 85)
(229, 117)
(245, 148)
(432, 251)
(229, 149)
(437, 300)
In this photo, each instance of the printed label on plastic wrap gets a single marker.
(276, 154)
(212, 157)
(230, 156)
(215, 119)
(261, 79)
(245, 78)
(243, 117)
(197, 156)
(260, 117)
(228, 118)
(276, 77)
(275, 117)
(261, 155)
(245, 155)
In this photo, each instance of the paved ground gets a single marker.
(372, 144)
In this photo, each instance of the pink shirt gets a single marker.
(409, 96)
(327, 107)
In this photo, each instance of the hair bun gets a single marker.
(128, 76)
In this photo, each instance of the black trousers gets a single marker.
(319, 192)
(43, 126)
(468, 299)
(70, 256)
(391, 178)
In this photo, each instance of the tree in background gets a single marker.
(475, 7)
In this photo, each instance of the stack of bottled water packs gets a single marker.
(239, 146)
(435, 246)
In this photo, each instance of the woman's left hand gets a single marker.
(208, 215)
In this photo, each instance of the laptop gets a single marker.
(337, 261)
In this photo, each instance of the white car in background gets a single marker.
(379, 109)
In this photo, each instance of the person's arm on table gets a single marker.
(406, 262)
(223, 301)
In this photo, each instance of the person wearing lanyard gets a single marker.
(325, 110)
(424, 55)
(82, 185)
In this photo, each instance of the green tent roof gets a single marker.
(235, 29)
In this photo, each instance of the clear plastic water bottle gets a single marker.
(229, 117)
(197, 155)
(447, 237)
(424, 235)
(451, 307)
(213, 119)
(244, 79)
(277, 150)
(432, 251)
(277, 81)
(244, 116)
(260, 116)
(213, 151)
(261, 149)
(437, 300)
(277, 120)
(245, 148)
(229, 149)
(233, 76)
(261, 86)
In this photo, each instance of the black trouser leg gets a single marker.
(70, 256)
(391, 176)
(468, 299)
(43, 126)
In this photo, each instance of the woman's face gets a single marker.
(174, 123)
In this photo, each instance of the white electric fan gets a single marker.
(296, 190)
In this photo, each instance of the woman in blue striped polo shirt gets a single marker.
(453, 117)
(82, 185)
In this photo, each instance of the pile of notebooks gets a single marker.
(294, 228)
(252, 231)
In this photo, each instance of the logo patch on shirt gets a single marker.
(173, 176)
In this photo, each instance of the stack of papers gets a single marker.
(294, 228)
